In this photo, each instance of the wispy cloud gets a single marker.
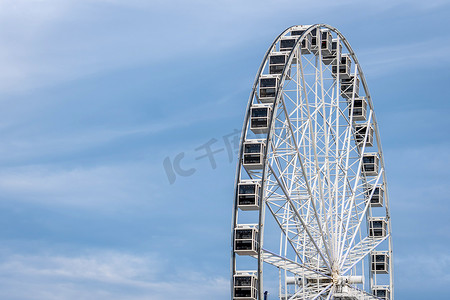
(36, 142)
(99, 188)
(47, 42)
(401, 57)
(103, 274)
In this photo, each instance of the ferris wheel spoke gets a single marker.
(358, 225)
(323, 291)
(299, 218)
(318, 170)
(294, 144)
(287, 222)
(359, 251)
(346, 179)
(352, 199)
(326, 130)
(283, 219)
(312, 292)
(291, 266)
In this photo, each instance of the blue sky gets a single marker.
(95, 95)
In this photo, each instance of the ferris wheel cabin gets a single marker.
(350, 87)
(377, 227)
(344, 67)
(315, 40)
(267, 88)
(248, 195)
(360, 135)
(382, 292)
(306, 43)
(259, 118)
(377, 197)
(277, 62)
(253, 154)
(370, 164)
(359, 109)
(333, 57)
(380, 262)
(287, 43)
(246, 240)
(245, 286)
(326, 42)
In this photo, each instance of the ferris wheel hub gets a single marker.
(343, 280)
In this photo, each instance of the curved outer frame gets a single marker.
(269, 136)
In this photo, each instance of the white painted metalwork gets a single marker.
(310, 156)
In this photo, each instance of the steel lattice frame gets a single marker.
(314, 194)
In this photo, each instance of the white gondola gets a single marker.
(359, 112)
(380, 262)
(370, 164)
(350, 87)
(248, 195)
(245, 286)
(382, 292)
(306, 43)
(268, 88)
(326, 42)
(277, 61)
(345, 64)
(253, 156)
(377, 227)
(360, 135)
(246, 240)
(333, 57)
(287, 43)
(259, 118)
(315, 40)
(377, 197)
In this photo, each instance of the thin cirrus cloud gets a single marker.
(99, 188)
(56, 41)
(111, 274)
(415, 55)
(37, 144)
(78, 39)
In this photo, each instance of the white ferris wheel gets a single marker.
(311, 215)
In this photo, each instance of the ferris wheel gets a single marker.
(311, 215)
